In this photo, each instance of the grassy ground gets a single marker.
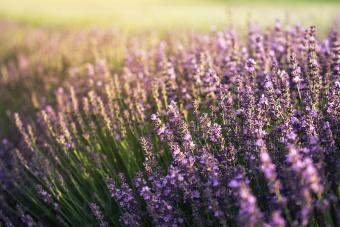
(165, 15)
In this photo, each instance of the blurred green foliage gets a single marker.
(166, 15)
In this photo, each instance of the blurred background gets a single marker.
(164, 15)
(42, 41)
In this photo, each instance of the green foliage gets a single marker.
(165, 15)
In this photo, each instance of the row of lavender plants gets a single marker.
(205, 130)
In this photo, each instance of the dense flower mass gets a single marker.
(200, 130)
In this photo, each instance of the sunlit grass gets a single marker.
(164, 15)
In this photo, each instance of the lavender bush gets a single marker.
(200, 130)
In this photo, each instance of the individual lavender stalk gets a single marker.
(150, 162)
(249, 214)
(335, 50)
(227, 112)
(260, 54)
(313, 148)
(308, 179)
(247, 110)
(126, 200)
(275, 107)
(97, 213)
(25, 218)
(231, 64)
(7, 222)
(280, 40)
(327, 138)
(27, 134)
(276, 220)
(98, 105)
(46, 197)
(183, 170)
(332, 157)
(261, 115)
(250, 69)
(155, 96)
(211, 82)
(213, 192)
(170, 81)
(285, 100)
(312, 177)
(64, 136)
(184, 162)
(163, 131)
(314, 80)
(162, 211)
(248, 127)
(210, 131)
(333, 107)
(195, 72)
(295, 75)
(75, 108)
(220, 154)
(269, 171)
(303, 167)
(180, 128)
(325, 54)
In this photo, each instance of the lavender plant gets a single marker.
(206, 130)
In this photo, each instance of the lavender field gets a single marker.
(232, 126)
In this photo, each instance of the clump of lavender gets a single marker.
(194, 130)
